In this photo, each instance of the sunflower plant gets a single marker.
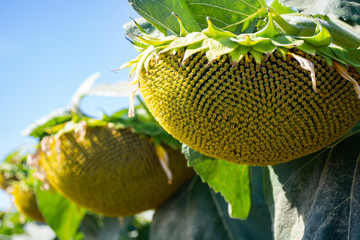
(244, 84)
(114, 166)
(17, 180)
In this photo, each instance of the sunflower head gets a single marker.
(116, 166)
(25, 201)
(259, 93)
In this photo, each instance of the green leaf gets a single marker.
(196, 212)
(191, 38)
(233, 16)
(10, 224)
(39, 128)
(96, 227)
(342, 34)
(159, 13)
(318, 196)
(62, 215)
(322, 38)
(137, 26)
(281, 9)
(230, 179)
(348, 9)
(228, 15)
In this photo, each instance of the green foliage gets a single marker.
(62, 215)
(95, 227)
(14, 168)
(342, 34)
(10, 224)
(196, 212)
(229, 15)
(142, 123)
(230, 179)
(281, 9)
(314, 197)
(348, 9)
(41, 127)
(317, 197)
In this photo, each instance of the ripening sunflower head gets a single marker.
(259, 98)
(25, 201)
(115, 166)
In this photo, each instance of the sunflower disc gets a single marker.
(26, 202)
(112, 172)
(250, 113)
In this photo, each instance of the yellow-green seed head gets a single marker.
(112, 172)
(3, 183)
(250, 113)
(26, 203)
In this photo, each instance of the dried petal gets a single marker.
(121, 221)
(58, 147)
(306, 65)
(33, 159)
(40, 174)
(45, 145)
(80, 130)
(164, 161)
(131, 112)
(345, 74)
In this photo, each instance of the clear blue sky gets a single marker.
(47, 48)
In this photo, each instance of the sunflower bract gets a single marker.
(26, 203)
(250, 113)
(112, 172)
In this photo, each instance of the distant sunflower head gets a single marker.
(25, 201)
(116, 166)
(112, 172)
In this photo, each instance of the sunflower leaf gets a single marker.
(230, 179)
(348, 9)
(317, 196)
(196, 212)
(228, 15)
(62, 215)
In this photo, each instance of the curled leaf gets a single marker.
(214, 32)
(306, 65)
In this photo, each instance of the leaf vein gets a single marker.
(155, 20)
(199, 15)
(315, 237)
(352, 195)
(307, 163)
(222, 8)
(221, 215)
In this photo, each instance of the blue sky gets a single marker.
(47, 48)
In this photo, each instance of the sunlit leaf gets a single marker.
(228, 15)
(62, 215)
(230, 179)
